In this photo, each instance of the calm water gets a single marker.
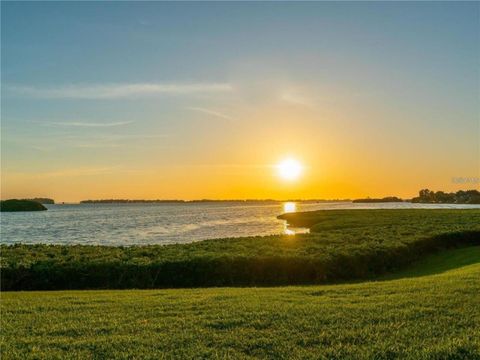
(129, 224)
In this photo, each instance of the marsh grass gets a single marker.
(343, 245)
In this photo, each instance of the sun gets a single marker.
(289, 169)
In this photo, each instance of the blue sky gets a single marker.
(102, 99)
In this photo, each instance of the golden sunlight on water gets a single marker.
(293, 230)
(289, 207)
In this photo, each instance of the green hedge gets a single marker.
(224, 271)
(344, 245)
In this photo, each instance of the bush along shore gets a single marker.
(343, 245)
(15, 205)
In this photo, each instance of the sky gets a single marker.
(146, 100)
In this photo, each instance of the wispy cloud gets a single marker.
(87, 124)
(71, 172)
(116, 91)
(110, 140)
(62, 140)
(120, 137)
(211, 112)
(95, 146)
(247, 166)
(295, 98)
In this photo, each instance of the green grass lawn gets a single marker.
(429, 311)
(342, 245)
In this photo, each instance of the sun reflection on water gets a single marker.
(288, 231)
(289, 207)
(294, 230)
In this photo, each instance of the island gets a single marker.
(201, 201)
(382, 200)
(20, 205)
(440, 197)
(42, 200)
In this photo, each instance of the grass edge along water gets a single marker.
(343, 245)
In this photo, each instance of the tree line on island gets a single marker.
(176, 201)
(42, 200)
(380, 200)
(35, 204)
(14, 205)
(427, 196)
(459, 197)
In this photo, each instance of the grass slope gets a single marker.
(343, 245)
(430, 311)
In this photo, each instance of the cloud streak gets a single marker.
(87, 124)
(212, 113)
(72, 172)
(296, 98)
(120, 91)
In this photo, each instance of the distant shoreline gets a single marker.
(425, 196)
(248, 201)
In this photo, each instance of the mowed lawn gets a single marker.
(429, 311)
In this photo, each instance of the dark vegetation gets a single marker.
(425, 196)
(382, 200)
(429, 312)
(20, 205)
(42, 200)
(440, 197)
(175, 201)
(432, 197)
(129, 201)
(342, 245)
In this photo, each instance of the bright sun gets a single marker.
(289, 169)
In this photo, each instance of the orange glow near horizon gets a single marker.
(251, 166)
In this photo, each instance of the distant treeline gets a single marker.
(440, 197)
(42, 200)
(127, 201)
(432, 197)
(174, 201)
(382, 200)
